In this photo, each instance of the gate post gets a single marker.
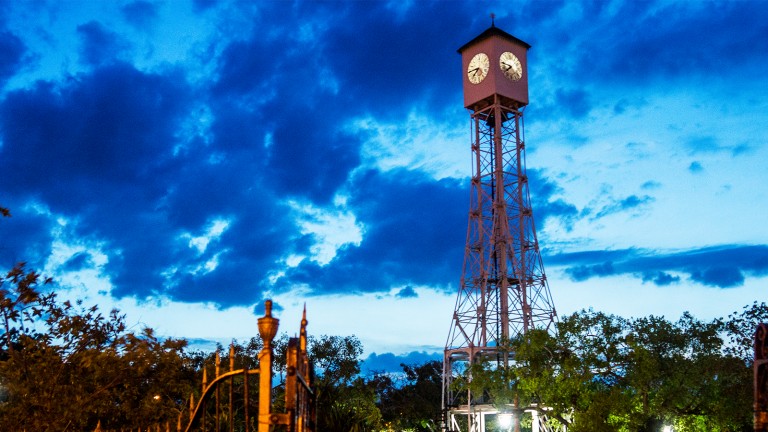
(267, 330)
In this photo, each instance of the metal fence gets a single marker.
(244, 400)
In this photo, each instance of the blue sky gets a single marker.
(183, 161)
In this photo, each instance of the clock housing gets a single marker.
(494, 42)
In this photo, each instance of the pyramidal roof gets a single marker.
(493, 31)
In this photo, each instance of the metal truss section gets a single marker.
(503, 289)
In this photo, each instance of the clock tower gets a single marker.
(495, 63)
(503, 292)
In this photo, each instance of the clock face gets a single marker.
(511, 66)
(478, 68)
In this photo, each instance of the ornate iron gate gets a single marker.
(231, 402)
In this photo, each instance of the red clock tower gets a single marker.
(506, 73)
(503, 290)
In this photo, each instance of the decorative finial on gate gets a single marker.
(493, 17)
(268, 325)
(303, 330)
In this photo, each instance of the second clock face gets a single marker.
(511, 66)
(478, 68)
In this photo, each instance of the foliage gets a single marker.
(605, 373)
(345, 401)
(740, 328)
(65, 366)
(410, 400)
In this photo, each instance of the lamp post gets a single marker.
(267, 330)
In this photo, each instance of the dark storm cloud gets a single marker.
(12, 50)
(139, 13)
(407, 292)
(100, 151)
(140, 162)
(307, 154)
(414, 232)
(397, 58)
(544, 206)
(675, 39)
(328, 68)
(639, 43)
(69, 144)
(99, 45)
(25, 236)
(203, 5)
(723, 266)
(111, 150)
(665, 40)
(573, 102)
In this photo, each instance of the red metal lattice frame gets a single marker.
(503, 290)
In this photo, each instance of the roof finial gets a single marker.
(493, 17)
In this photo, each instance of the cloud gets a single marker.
(723, 277)
(27, 235)
(413, 234)
(99, 45)
(388, 362)
(677, 45)
(136, 163)
(650, 185)
(99, 152)
(78, 261)
(12, 50)
(584, 272)
(574, 102)
(407, 292)
(695, 167)
(632, 202)
(202, 5)
(139, 13)
(723, 266)
(543, 189)
(607, 54)
(660, 278)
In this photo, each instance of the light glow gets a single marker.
(505, 420)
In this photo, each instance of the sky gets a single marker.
(183, 161)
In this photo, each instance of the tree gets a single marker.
(345, 401)
(67, 367)
(640, 374)
(739, 330)
(410, 400)
(601, 372)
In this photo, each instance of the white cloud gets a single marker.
(417, 142)
(331, 228)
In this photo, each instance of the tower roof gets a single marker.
(493, 31)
